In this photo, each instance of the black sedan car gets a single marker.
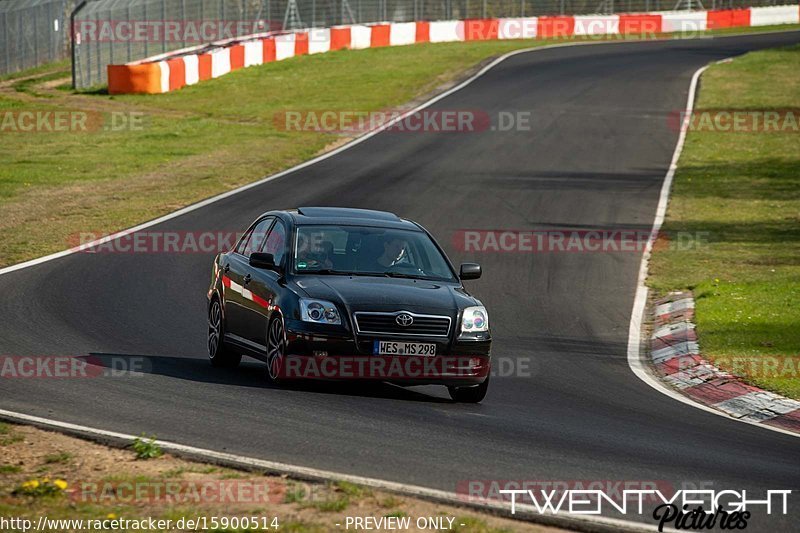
(334, 293)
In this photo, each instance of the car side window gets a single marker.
(243, 241)
(276, 242)
(255, 239)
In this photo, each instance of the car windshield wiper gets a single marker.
(401, 275)
(330, 271)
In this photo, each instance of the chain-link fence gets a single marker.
(120, 31)
(32, 32)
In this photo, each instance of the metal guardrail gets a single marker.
(32, 33)
(119, 31)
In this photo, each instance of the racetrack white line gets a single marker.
(586, 522)
(351, 144)
(589, 523)
(583, 522)
(636, 355)
(232, 192)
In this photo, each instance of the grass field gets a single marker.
(44, 474)
(743, 188)
(193, 143)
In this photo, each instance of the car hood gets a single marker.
(366, 293)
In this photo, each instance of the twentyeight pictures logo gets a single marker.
(679, 509)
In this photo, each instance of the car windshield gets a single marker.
(368, 251)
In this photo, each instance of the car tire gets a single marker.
(219, 353)
(276, 348)
(474, 394)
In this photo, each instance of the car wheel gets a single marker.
(472, 394)
(276, 348)
(219, 353)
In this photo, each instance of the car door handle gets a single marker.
(247, 279)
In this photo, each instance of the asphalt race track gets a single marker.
(596, 158)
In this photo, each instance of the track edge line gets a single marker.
(358, 140)
(527, 513)
(637, 361)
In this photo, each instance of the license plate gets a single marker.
(403, 348)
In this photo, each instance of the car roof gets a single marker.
(350, 217)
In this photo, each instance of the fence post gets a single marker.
(128, 12)
(99, 57)
(51, 30)
(35, 36)
(164, 25)
(183, 22)
(7, 67)
(110, 45)
(147, 23)
(20, 50)
(72, 40)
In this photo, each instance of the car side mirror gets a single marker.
(470, 271)
(263, 260)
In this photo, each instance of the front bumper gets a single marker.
(333, 353)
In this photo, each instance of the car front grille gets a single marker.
(386, 324)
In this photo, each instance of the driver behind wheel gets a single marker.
(394, 248)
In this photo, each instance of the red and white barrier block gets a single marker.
(175, 70)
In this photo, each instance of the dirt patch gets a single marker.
(106, 483)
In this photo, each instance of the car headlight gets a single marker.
(319, 311)
(474, 320)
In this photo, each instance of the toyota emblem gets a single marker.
(404, 319)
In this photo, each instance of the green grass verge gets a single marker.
(743, 189)
(41, 69)
(195, 142)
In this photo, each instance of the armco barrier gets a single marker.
(170, 72)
